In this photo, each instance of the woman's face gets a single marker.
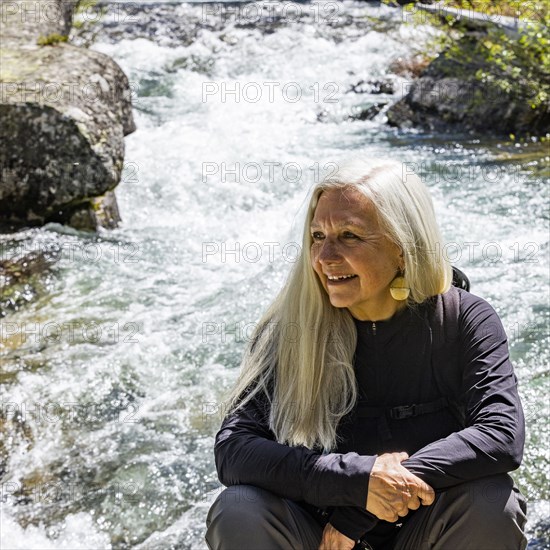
(353, 258)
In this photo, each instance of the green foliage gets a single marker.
(84, 8)
(518, 8)
(52, 39)
(85, 26)
(83, 5)
(520, 66)
(517, 65)
(526, 10)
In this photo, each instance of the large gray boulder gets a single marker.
(64, 112)
(440, 103)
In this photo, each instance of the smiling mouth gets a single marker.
(339, 279)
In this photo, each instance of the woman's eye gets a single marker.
(349, 235)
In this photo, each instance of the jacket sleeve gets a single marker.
(246, 452)
(494, 433)
(352, 521)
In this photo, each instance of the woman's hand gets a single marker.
(334, 540)
(393, 490)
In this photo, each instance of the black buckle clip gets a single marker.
(405, 411)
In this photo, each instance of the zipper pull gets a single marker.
(374, 328)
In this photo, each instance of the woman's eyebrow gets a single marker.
(339, 225)
(352, 224)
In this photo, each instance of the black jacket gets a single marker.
(450, 356)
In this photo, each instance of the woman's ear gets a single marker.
(401, 258)
(402, 264)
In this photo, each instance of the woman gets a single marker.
(377, 404)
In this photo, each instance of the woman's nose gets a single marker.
(329, 252)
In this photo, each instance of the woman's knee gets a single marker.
(245, 516)
(239, 503)
(242, 495)
(491, 509)
(494, 498)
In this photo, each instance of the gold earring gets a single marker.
(398, 288)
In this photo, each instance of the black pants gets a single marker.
(486, 514)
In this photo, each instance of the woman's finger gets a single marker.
(414, 503)
(425, 493)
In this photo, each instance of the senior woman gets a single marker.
(376, 406)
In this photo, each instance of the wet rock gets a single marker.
(22, 280)
(373, 87)
(368, 113)
(382, 87)
(64, 112)
(98, 212)
(440, 102)
(13, 431)
(402, 115)
(322, 116)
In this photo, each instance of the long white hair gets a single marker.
(301, 354)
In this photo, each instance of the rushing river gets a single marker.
(113, 378)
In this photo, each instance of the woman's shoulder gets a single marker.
(473, 313)
(471, 303)
(460, 299)
(460, 310)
